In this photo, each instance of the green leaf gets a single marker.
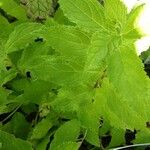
(86, 13)
(22, 36)
(117, 138)
(3, 96)
(131, 30)
(90, 121)
(132, 18)
(68, 132)
(32, 51)
(68, 146)
(7, 75)
(8, 141)
(116, 11)
(61, 19)
(69, 41)
(12, 8)
(142, 137)
(126, 73)
(43, 144)
(70, 98)
(20, 126)
(36, 91)
(42, 128)
(5, 28)
(118, 110)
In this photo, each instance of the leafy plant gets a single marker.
(74, 81)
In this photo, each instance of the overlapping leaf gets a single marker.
(66, 136)
(8, 141)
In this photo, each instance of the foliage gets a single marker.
(73, 79)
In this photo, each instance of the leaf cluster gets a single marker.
(72, 81)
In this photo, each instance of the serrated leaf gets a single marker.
(68, 132)
(70, 98)
(132, 18)
(33, 50)
(131, 30)
(21, 36)
(90, 121)
(86, 13)
(133, 84)
(66, 40)
(8, 141)
(117, 138)
(116, 11)
(118, 110)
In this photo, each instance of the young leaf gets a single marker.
(116, 11)
(131, 29)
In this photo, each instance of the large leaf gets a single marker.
(67, 40)
(126, 73)
(117, 110)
